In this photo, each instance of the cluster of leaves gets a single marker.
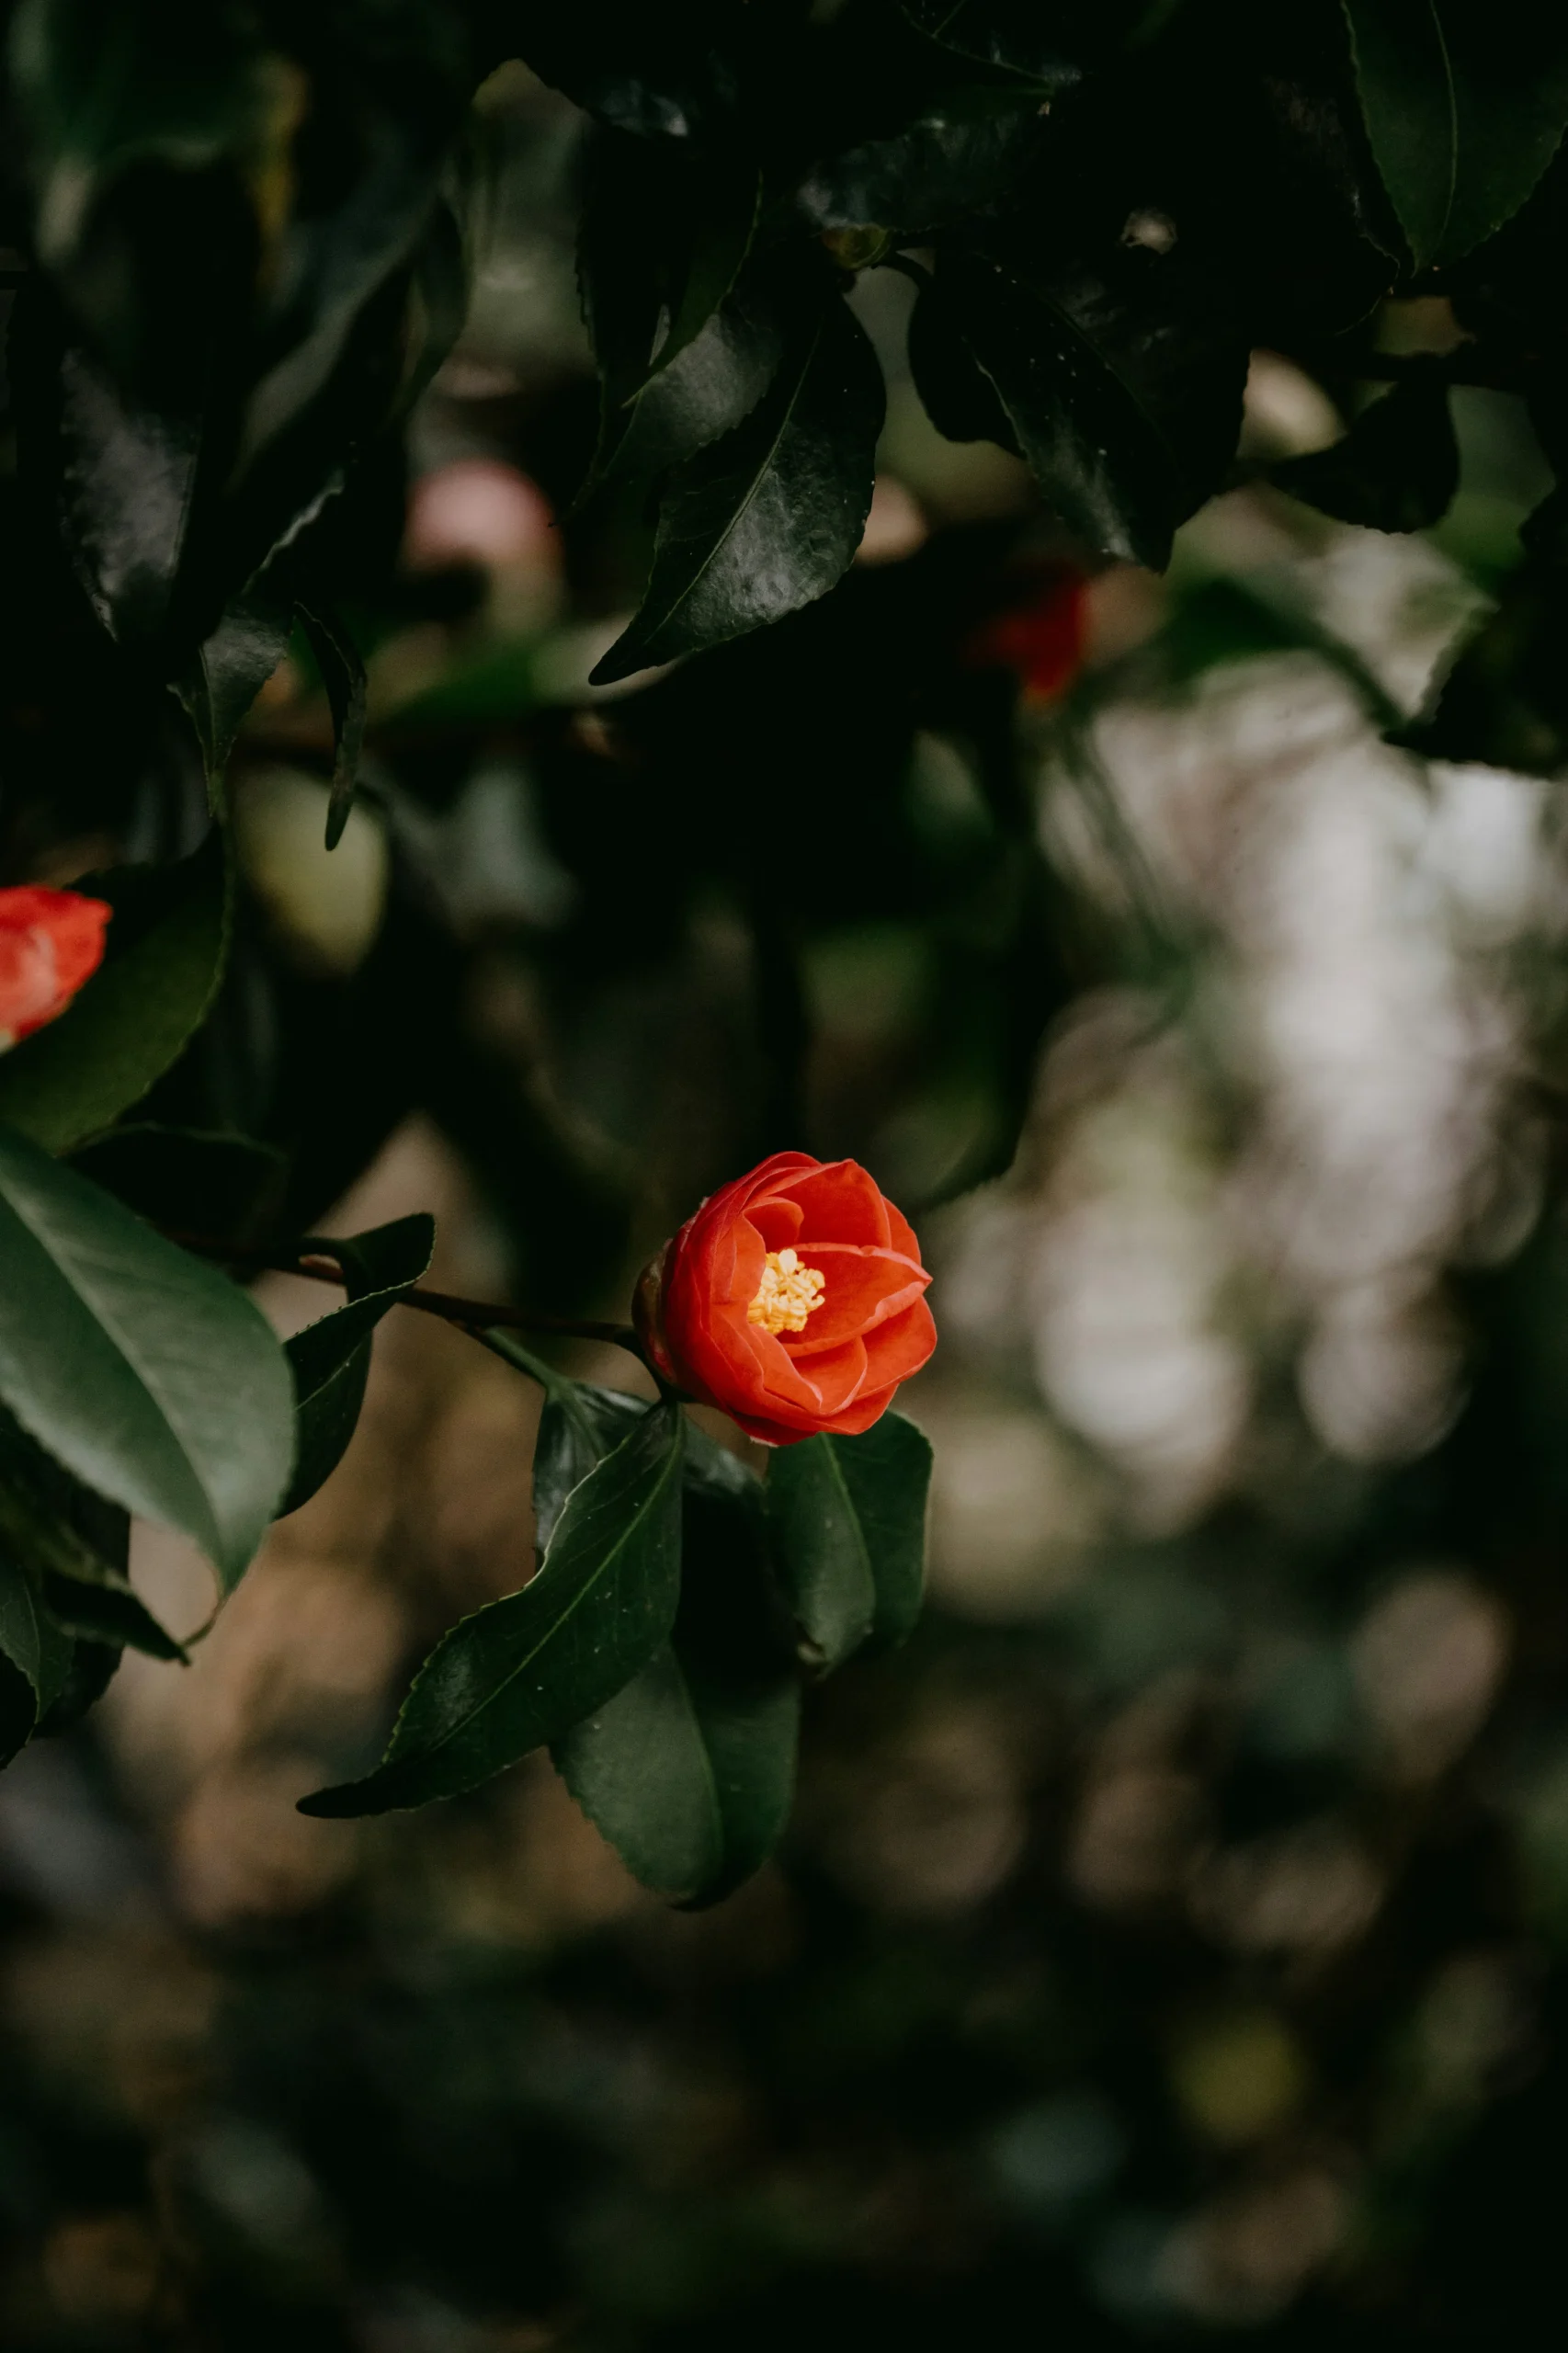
(660, 1649)
(1060, 183)
(243, 237)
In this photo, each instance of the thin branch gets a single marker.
(472, 1316)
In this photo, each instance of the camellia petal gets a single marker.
(840, 1203)
(795, 1300)
(51, 941)
(863, 1288)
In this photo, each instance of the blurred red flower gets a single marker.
(51, 941)
(795, 1300)
(1040, 635)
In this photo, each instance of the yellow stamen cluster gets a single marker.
(787, 1293)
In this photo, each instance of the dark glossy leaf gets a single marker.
(231, 669)
(50, 1520)
(109, 1614)
(716, 231)
(1048, 47)
(670, 75)
(848, 1520)
(640, 1769)
(164, 957)
(955, 392)
(91, 1671)
(621, 269)
(54, 1535)
(662, 240)
(712, 387)
(935, 172)
(689, 1770)
(1122, 380)
(518, 1674)
(128, 483)
(716, 1473)
(330, 1359)
(147, 1374)
(1396, 469)
(578, 1425)
(74, 1547)
(390, 90)
(342, 671)
(766, 519)
(1465, 106)
(35, 1656)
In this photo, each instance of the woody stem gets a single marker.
(472, 1316)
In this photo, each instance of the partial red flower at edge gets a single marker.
(51, 941)
(795, 1300)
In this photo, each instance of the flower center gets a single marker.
(787, 1294)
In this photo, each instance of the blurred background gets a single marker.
(1170, 1943)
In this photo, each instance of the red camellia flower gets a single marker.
(795, 1300)
(51, 941)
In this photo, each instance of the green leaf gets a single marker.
(91, 1671)
(129, 484)
(330, 1359)
(110, 1613)
(713, 238)
(391, 89)
(848, 1519)
(75, 1547)
(1121, 380)
(230, 670)
(955, 392)
(660, 74)
(148, 1375)
(621, 270)
(640, 1769)
(578, 1425)
(937, 170)
(35, 1656)
(163, 960)
(54, 1532)
(768, 518)
(581, 1423)
(343, 675)
(709, 390)
(662, 241)
(688, 1774)
(50, 1520)
(1465, 107)
(1045, 47)
(1396, 469)
(517, 1675)
(689, 1771)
